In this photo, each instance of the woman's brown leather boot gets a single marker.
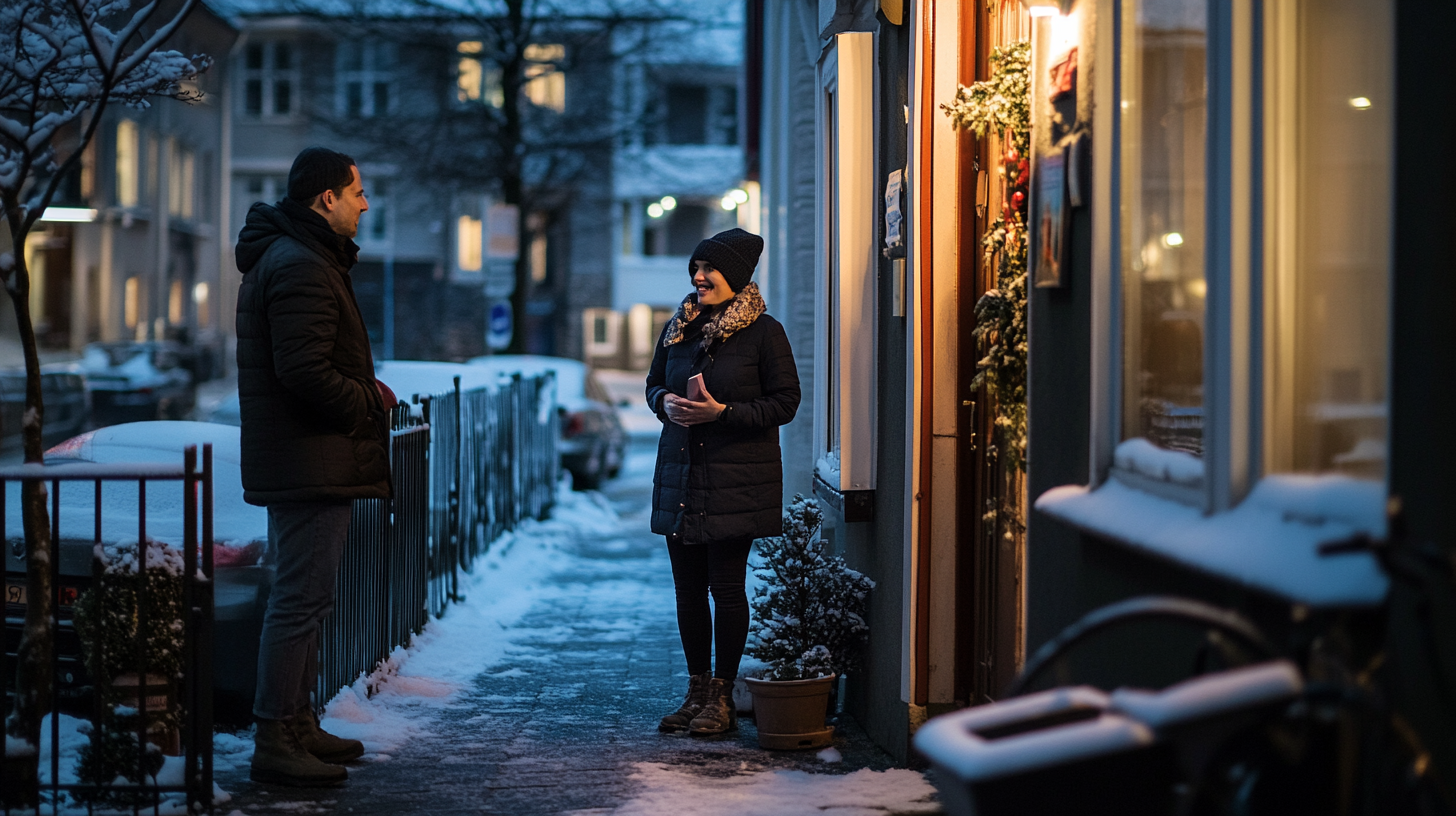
(692, 704)
(718, 714)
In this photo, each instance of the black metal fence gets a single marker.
(468, 467)
(155, 702)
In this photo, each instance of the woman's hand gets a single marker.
(685, 412)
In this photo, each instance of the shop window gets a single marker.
(844, 353)
(1251, 237)
(1329, 119)
(1162, 222)
(365, 78)
(128, 163)
(270, 79)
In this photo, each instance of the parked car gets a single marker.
(134, 382)
(67, 403)
(592, 443)
(240, 532)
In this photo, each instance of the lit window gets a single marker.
(468, 243)
(128, 163)
(181, 179)
(545, 83)
(131, 302)
(175, 312)
(1328, 245)
(200, 298)
(476, 79)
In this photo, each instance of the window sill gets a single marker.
(1269, 542)
(853, 505)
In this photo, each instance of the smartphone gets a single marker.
(696, 391)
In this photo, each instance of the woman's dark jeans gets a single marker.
(718, 569)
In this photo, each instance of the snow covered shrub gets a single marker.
(108, 620)
(809, 613)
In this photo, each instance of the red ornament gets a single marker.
(1016, 199)
(1011, 154)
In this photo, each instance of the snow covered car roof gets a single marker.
(409, 377)
(236, 524)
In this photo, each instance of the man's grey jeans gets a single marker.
(306, 540)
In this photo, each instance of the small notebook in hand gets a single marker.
(696, 391)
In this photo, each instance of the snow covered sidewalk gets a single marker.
(540, 694)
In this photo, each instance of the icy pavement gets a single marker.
(541, 692)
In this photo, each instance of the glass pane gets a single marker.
(1162, 156)
(353, 98)
(381, 98)
(253, 56)
(282, 56)
(282, 97)
(253, 97)
(1329, 112)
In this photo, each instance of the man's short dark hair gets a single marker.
(318, 169)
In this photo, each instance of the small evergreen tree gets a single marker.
(809, 614)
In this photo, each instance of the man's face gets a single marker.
(343, 211)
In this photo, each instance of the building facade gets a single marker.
(1231, 342)
(132, 246)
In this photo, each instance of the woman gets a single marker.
(719, 478)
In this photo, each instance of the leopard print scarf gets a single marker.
(734, 316)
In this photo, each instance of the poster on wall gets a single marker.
(1049, 236)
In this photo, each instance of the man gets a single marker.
(315, 437)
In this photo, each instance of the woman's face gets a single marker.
(712, 289)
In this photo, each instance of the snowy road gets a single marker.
(541, 692)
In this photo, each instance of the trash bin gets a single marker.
(1063, 751)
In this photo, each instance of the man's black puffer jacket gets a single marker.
(723, 480)
(314, 425)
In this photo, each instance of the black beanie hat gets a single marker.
(733, 252)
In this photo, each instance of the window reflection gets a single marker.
(1162, 160)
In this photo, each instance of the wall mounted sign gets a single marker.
(1049, 236)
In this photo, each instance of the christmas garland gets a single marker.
(1002, 104)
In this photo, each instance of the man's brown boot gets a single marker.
(279, 758)
(321, 743)
(718, 714)
(692, 704)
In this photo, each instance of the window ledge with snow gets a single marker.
(1269, 542)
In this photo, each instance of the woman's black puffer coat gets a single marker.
(723, 480)
(314, 425)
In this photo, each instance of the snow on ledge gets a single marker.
(1143, 457)
(1269, 542)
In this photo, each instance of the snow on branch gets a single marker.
(59, 60)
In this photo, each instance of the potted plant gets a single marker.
(809, 628)
(120, 601)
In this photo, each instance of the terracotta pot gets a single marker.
(790, 713)
(160, 700)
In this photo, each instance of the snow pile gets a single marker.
(669, 791)
(74, 733)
